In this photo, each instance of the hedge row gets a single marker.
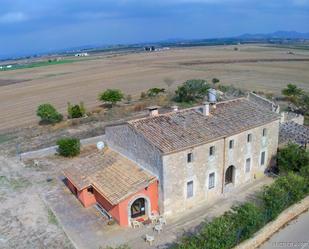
(244, 220)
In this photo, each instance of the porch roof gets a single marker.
(114, 176)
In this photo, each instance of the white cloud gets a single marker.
(301, 2)
(13, 17)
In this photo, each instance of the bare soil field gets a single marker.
(252, 67)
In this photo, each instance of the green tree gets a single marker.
(292, 158)
(292, 92)
(215, 81)
(68, 147)
(48, 114)
(76, 111)
(111, 96)
(303, 103)
(192, 90)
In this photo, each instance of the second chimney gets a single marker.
(153, 110)
(206, 108)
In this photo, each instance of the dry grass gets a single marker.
(252, 67)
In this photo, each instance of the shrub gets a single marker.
(227, 230)
(215, 81)
(248, 219)
(192, 90)
(111, 96)
(68, 147)
(76, 111)
(152, 92)
(292, 92)
(48, 114)
(292, 158)
(285, 191)
(295, 185)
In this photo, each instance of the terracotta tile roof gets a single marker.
(293, 132)
(186, 128)
(113, 175)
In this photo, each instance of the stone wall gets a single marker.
(272, 227)
(291, 116)
(177, 172)
(126, 141)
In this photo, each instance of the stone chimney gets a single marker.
(206, 109)
(153, 111)
(175, 108)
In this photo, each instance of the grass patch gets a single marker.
(14, 183)
(4, 181)
(5, 138)
(19, 183)
(38, 64)
(52, 218)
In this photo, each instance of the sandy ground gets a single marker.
(26, 221)
(252, 67)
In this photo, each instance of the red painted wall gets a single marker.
(151, 192)
(71, 187)
(85, 197)
(120, 211)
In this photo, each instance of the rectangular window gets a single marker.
(263, 158)
(211, 182)
(249, 138)
(231, 144)
(212, 151)
(248, 165)
(189, 189)
(189, 157)
(264, 132)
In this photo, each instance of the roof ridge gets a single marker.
(183, 110)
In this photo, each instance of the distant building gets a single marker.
(81, 54)
(150, 48)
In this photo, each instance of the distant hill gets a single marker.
(276, 35)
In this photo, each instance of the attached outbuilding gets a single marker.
(116, 184)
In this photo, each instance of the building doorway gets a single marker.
(138, 208)
(229, 175)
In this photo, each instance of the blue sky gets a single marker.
(29, 26)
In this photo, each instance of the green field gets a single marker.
(38, 64)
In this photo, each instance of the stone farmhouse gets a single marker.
(167, 163)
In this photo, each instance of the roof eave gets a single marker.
(216, 139)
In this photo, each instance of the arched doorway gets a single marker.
(229, 175)
(138, 207)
